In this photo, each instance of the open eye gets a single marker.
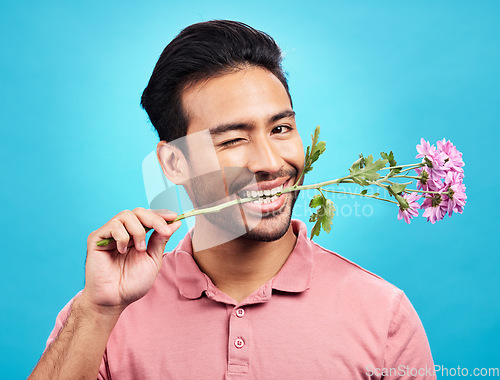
(280, 129)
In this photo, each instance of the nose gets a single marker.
(264, 157)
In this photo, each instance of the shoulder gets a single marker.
(336, 272)
(343, 265)
(368, 299)
(365, 305)
(338, 275)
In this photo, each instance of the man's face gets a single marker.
(252, 125)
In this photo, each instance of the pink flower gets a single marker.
(435, 208)
(412, 209)
(455, 194)
(452, 157)
(433, 159)
(442, 173)
(426, 182)
(425, 149)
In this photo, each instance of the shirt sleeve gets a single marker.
(408, 355)
(60, 321)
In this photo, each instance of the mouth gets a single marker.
(269, 198)
(264, 196)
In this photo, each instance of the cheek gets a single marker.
(232, 158)
(203, 164)
(293, 152)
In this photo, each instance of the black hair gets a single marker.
(201, 51)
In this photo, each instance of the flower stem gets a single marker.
(295, 187)
(314, 186)
(406, 176)
(361, 195)
(404, 166)
(409, 191)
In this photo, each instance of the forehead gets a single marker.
(249, 95)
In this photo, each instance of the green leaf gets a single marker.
(356, 166)
(389, 157)
(398, 188)
(328, 213)
(314, 151)
(403, 204)
(317, 200)
(367, 173)
(323, 215)
(313, 217)
(392, 162)
(376, 194)
(364, 192)
(308, 152)
(361, 161)
(315, 230)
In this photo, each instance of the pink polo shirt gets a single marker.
(320, 317)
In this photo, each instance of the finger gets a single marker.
(135, 227)
(156, 221)
(115, 229)
(137, 220)
(166, 215)
(157, 242)
(98, 235)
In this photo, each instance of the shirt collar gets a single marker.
(295, 275)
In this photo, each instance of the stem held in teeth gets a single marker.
(249, 198)
(262, 193)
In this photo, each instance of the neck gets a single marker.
(241, 266)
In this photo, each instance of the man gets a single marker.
(269, 304)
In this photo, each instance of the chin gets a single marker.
(268, 233)
(272, 226)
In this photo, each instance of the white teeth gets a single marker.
(265, 196)
(276, 190)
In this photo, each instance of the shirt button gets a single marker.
(239, 343)
(240, 312)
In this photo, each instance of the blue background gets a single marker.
(376, 75)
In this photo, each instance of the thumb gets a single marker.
(158, 241)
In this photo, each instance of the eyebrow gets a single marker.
(223, 128)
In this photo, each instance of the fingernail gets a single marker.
(142, 245)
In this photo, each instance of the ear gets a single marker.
(173, 162)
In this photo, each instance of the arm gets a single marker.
(407, 350)
(115, 276)
(79, 346)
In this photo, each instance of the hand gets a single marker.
(124, 270)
